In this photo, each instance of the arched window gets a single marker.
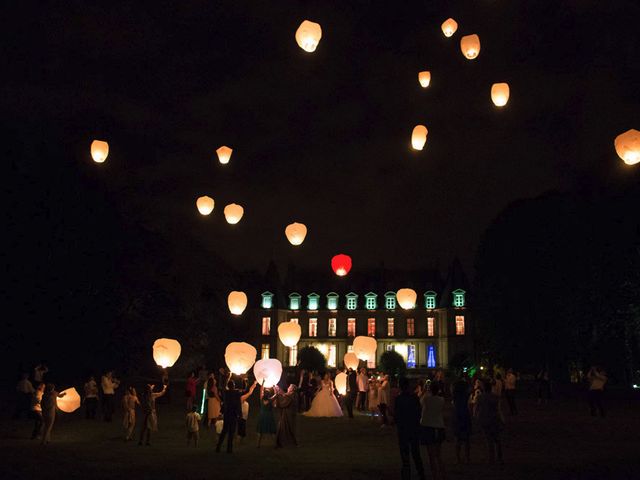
(294, 301)
(370, 301)
(267, 300)
(313, 301)
(352, 301)
(430, 300)
(390, 300)
(332, 301)
(458, 298)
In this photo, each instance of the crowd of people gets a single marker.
(219, 402)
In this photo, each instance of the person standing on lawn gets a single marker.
(491, 422)
(232, 410)
(510, 391)
(150, 422)
(24, 390)
(193, 426)
(109, 385)
(597, 378)
(49, 404)
(129, 402)
(90, 398)
(36, 411)
(408, 410)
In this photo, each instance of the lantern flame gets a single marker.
(424, 78)
(99, 151)
(308, 36)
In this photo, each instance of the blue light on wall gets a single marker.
(431, 357)
(411, 356)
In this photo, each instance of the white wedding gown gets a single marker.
(325, 404)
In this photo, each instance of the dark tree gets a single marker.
(310, 358)
(392, 363)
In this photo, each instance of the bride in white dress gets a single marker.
(325, 404)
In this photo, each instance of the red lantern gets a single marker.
(341, 264)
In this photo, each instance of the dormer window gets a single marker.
(294, 301)
(352, 301)
(458, 298)
(430, 300)
(371, 301)
(313, 301)
(390, 300)
(267, 300)
(332, 301)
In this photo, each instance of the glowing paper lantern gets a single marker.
(341, 383)
(470, 46)
(295, 233)
(419, 137)
(406, 298)
(166, 351)
(341, 264)
(365, 347)
(449, 27)
(308, 36)
(289, 333)
(424, 78)
(99, 151)
(205, 205)
(239, 357)
(351, 361)
(628, 146)
(70, 402)
(268, 370)
(224, 154)
(233, 213)
(500, 94)
(237, 302)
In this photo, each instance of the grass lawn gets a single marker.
(559, 441)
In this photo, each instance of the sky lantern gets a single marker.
(407, 298)
(500, 94)
(70, 402)
(424, 78)
(628, 146)
(233, 213)
(341, 383)
(224, 154)
(351, 361)
(449, 27)
(296, 232)
(308, 36)
(470, 46)
(99, 151)
(269, 371)
(166, 352)
(341, 264)
(365, 347)
(237, 302)
(205, 205)
(239, 357)
(419, 137)
(289, 333)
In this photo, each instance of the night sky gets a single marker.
(323, 138)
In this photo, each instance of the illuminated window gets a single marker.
(411, 356)
(294, 320)
(352, 301)
(351, 327)
(267, 300)
(293, 356)
(430, 300)
(458, 298)
(349, 348)
(332, 327)
(371, 363)
(266, 325)
(411, 327)
(391, 347)
(313, 300)
(332, 301)
(265, 351)
(431, 356)
(371, 327)
(390, 300)
(431, 327)
(459, 325)
(390, 330)
(371, 301)
(331, 360)
(313, 327)
(294, 301)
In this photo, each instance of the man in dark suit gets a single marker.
(232, 410)
(352, 391)
(407, 414)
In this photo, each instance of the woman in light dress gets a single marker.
(325, 403)
(213, 400)
(384, 397)
(129, 402)
(372, 401)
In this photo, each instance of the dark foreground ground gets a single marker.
(560, 441)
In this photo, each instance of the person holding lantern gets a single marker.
(150, 422)
(287, 405)
(129, 402)
(232, 409)
(213, 400)
(266, 420)
(49, 404)
(36, 410)
(109, 385)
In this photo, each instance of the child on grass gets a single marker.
(193, 426)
